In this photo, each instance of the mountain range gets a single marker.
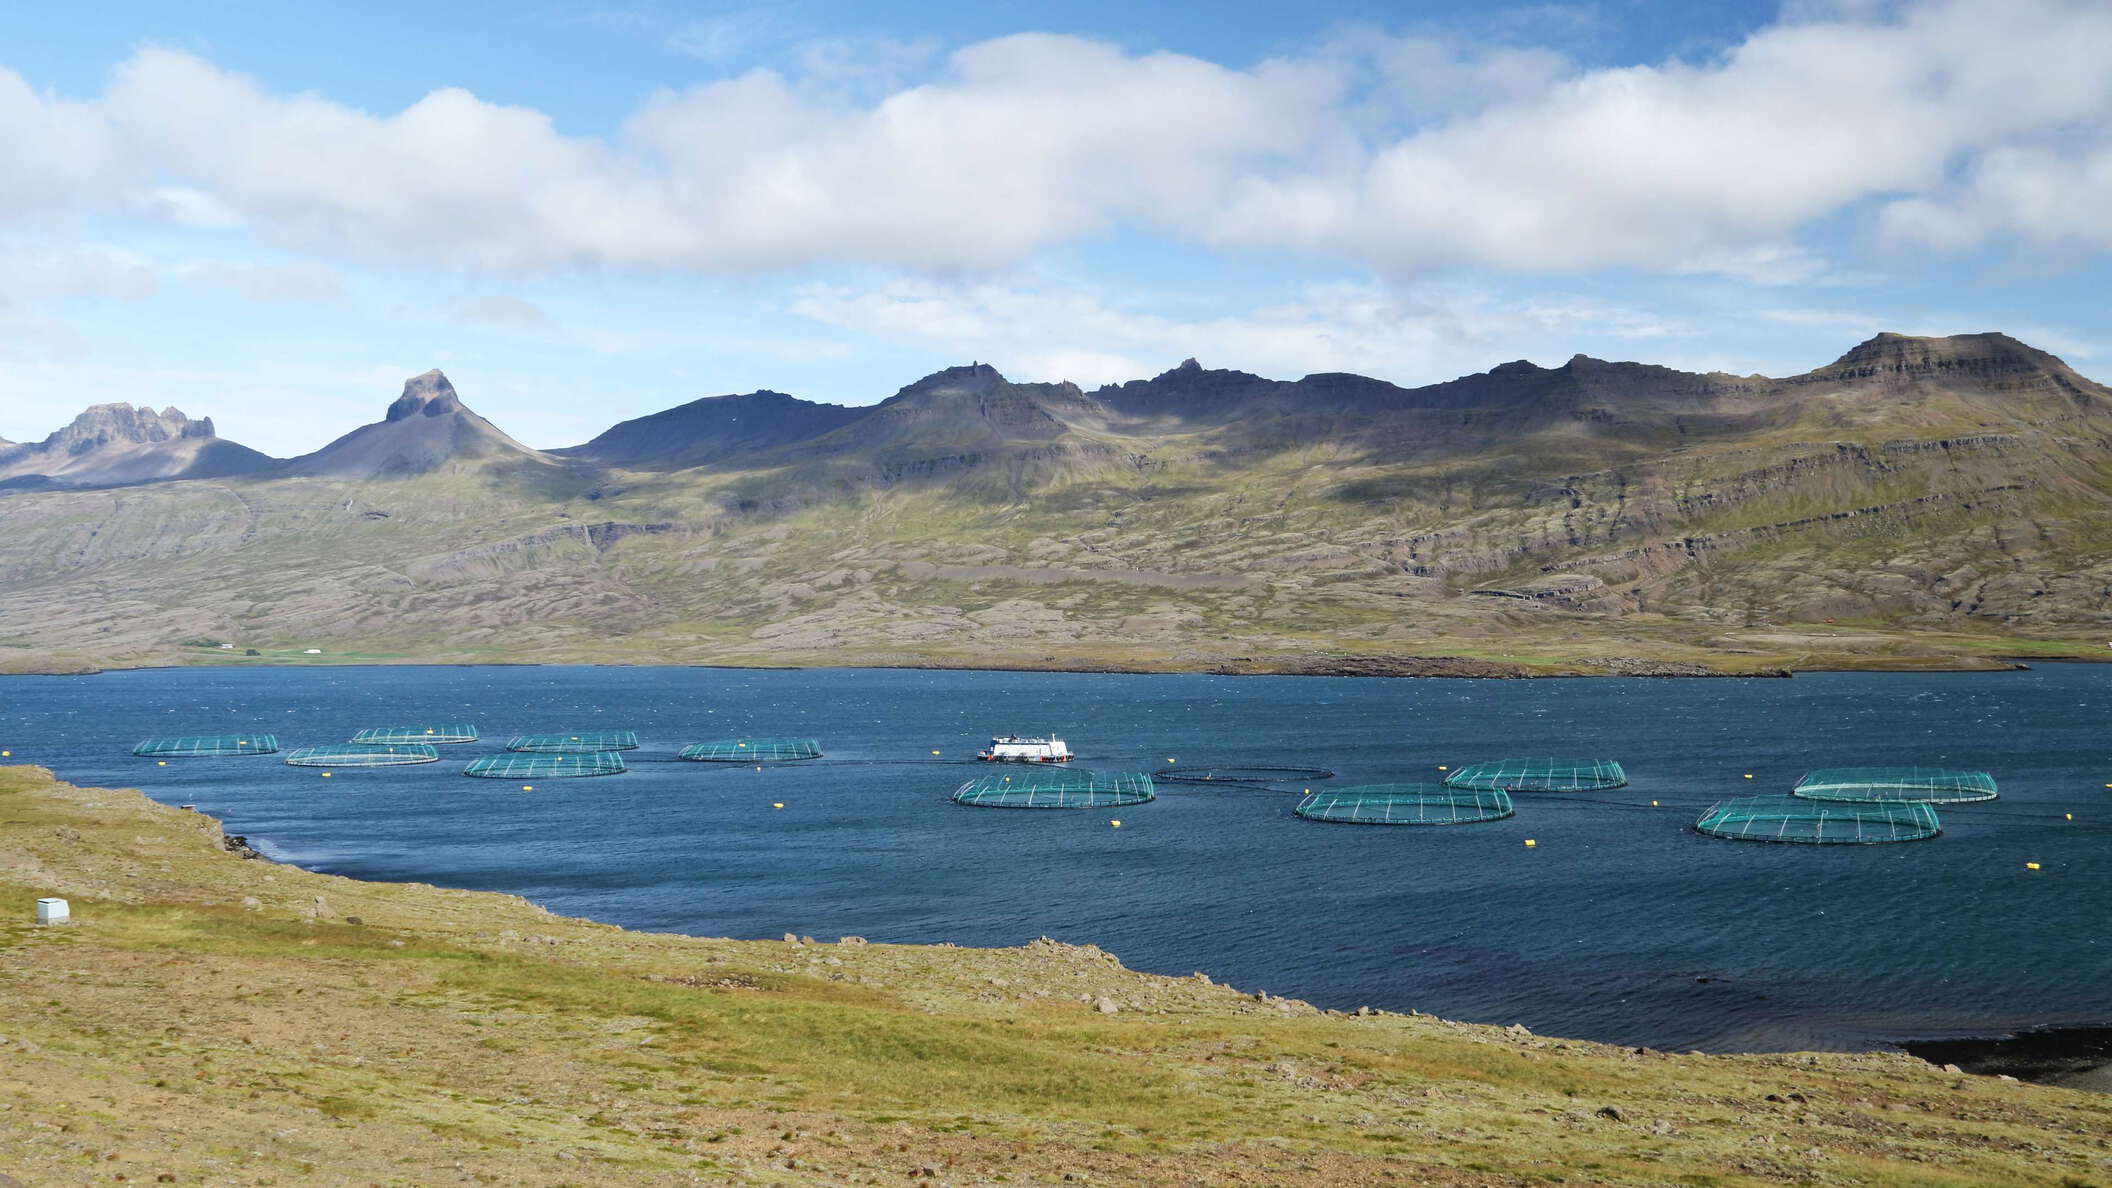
(1919, 501)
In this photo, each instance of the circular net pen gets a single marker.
(538, 766)
(207, 746)
(1790, 819)
(753, 750)
(452, 733)
(1540, 775)
(583, 742)
(1406, 804)
(363, 755)
(1057, 790)
(1924, 785)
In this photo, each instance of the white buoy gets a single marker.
(52, 911)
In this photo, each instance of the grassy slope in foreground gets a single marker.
(225, 1021)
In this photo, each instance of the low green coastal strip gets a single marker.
(210, 1018)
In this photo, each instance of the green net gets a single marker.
(1540, 775)
(1406, 804)
(543, 766)
(453, 733)
(363, 755)
(581, 742)
(1928, 785)
(1057, 790)
(753, 750)
(1790, 819)
(190, 746)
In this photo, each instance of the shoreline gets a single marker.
(2068, 1057)
(1380, 666)
(206, 1017)
(2062, 1055)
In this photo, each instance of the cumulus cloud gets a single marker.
(1959, 121)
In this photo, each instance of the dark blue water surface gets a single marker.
(1620, 924)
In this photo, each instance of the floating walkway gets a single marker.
(454, 733)
(1540, 775)
(207, 746)
(1924, 785)
(582, 742)
(544, 766)
(1793, 819)
(1057, 790)
(363, 755)
(753, 750)
(1406, 804)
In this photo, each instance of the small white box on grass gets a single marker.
(52, 911)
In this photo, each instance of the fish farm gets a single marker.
(1406, 804)
(583, 742)
(546, 766)
(1057, 790)
(455, 733)
(1793, 819)
(207, 746)
(363, 755)
(753, 750)
(1830, 806)
(1926, 785)
(1540, 775)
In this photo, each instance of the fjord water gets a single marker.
(1620, 924)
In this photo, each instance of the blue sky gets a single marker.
(271, 214)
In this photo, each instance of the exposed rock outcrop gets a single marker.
(427, 428)
(118, 444)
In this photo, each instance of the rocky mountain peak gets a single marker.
(1909, 355)
(427, 395)
(118, 443)
(103, 424)
(428, 428)
(972, 378)
(1189, 364)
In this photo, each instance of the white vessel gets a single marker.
(1014, 749)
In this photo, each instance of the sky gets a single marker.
(272, 214)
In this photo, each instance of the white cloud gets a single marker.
(299, 281)
(1402, 154)
(1044, 332)
(506, 313)
(1671, 167)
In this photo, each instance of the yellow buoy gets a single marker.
(777, 804)
(758, 767)
(934, 752)
(2070, 816)
(2031, 866)
(1529, 843)
(1748, 775)
(527, 787)
(1653, 804)
(5, 754)
(161, 763)
(326, 775)
(1117, 823)
(1169, 759)
(1442, 767)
